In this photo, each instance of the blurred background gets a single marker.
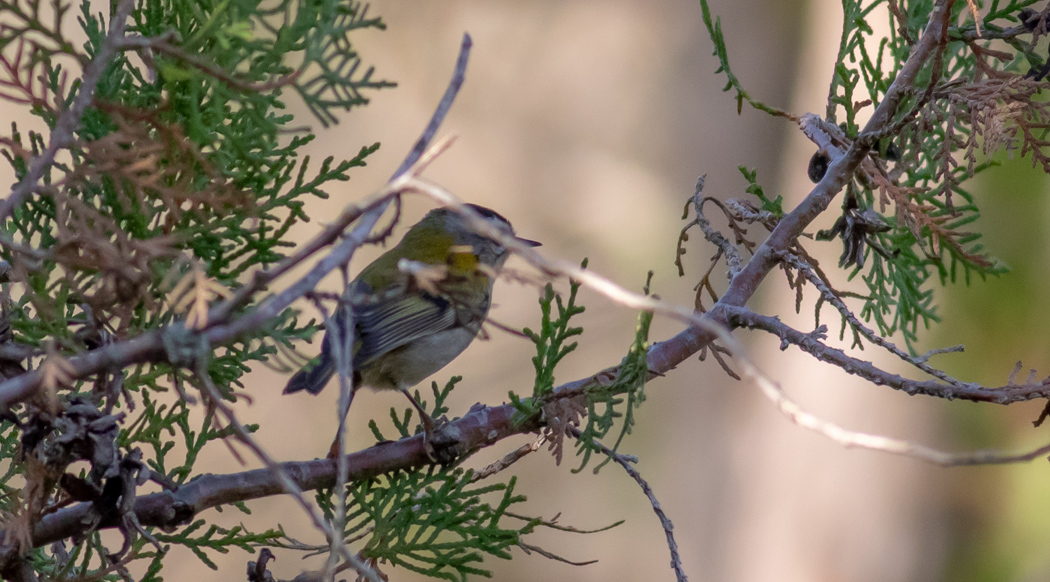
(586, 123)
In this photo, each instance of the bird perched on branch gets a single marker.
(416, 307)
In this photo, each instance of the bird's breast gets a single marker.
(408, 365)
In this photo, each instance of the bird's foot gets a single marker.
(439, 445)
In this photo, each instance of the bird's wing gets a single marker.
(394, 322)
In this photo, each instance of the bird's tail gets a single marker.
(314, 376)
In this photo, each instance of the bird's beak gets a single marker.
(527, 242)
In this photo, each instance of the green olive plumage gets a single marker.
(401, 332)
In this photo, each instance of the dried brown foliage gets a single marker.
(112, 264)
(562, 415)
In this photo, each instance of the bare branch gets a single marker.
(829, 295)
(481, 427)
(508, 459)
(849, 438)
(716, 238)
(668, 354)
(528, 549)
(811, 344)
(626, 462)
(341, 346)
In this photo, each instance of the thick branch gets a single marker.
(481, 427)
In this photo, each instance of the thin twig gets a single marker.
(341, 345)
(65, 128)
(553, 523)
(833, 298)
(162, 44)
(528, 549)
(665, 522)
(733, 260)
(459, 75)
(509, 459)
(367, 211)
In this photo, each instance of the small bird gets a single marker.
(416, 307)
